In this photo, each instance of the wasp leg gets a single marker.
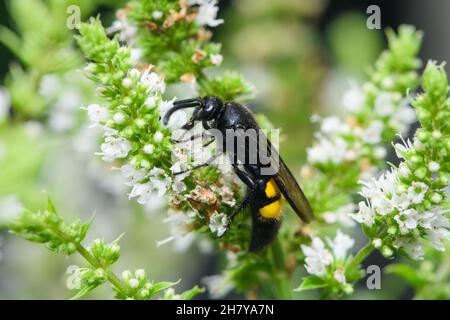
(251, 188)
(201, 165)
(241, 207)
(209, 142)
(191, 138)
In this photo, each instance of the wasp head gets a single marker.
(206, 108)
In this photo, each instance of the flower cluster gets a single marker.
(39, 58)
(136, 141)
(376, 111)
(50, 228)
(327, 263)
(172, 35)
(408, 203)
(348, 150)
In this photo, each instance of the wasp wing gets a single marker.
(282, 176)
(292, 191)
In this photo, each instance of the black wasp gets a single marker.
(263, 190)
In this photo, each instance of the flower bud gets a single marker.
(126, 275)
(377, 243)
(133, 283)
(387, 252)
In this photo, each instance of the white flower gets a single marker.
(331, 125)
(156, 187)
(404, 147)
(384, 105)
(150, 102)
(433, 166)
(388, 182)
(115, 148)
(178, 167)
(127, 31)
(134, 283)
(97, 113)
(326, 151)
(131, 174)
(153, 81)
(216, 59)
(339, 275)
(407, 219)
(353, 98)
(218, 223)
(149, 148)
(119, 117)
(404, 171)
(127, 82)
(181, 234)
(218, 286)
(140, 274)
(413, 249)
(341, 215)
(317, 257)
(159, 181)
(207, 13)
(340, 245)
(403, 117)
(158, 137)
(416, 192)
(377, 243)
(365, 215)
(143, 191)
(373, 133)
(179, 186)
(437, 236)
(164, 106)
(378, 192)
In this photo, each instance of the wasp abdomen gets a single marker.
(272, 210)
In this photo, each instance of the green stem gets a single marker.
(281, 277)
(361, 255)
(112, 278)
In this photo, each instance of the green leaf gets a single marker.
(84, 291)
(51, 207)
(189, 294)
(311, 283)
(161, 286)
(408, 273)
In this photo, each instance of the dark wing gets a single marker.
(286, 181)
(292, 192)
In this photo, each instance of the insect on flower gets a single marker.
(237, 134)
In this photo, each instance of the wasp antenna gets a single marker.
(186, 101)
(186, 104)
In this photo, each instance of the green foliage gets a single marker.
(42, 43)
(229, 86)
(48, 227)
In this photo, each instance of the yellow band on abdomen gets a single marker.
(273, 210)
